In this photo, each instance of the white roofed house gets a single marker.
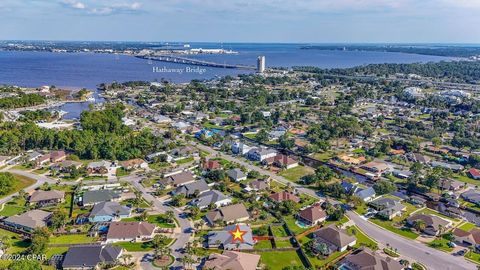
(260, 154)
(239, 148)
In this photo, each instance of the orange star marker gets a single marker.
(237, 234)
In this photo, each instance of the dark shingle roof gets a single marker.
(90, 256)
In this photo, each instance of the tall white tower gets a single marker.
(261, 64)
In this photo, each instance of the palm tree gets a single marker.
(170, 215)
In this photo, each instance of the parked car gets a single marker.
(451, 244)
(462, 252)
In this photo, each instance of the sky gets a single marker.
(286, 21)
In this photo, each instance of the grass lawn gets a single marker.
(290, 220)
(71, 239)
(135, 247)
(277, 260)
(294, 174)
(362, 239)
(13, 207)
(429, 211)
(362, 209)
(17, 244)
(467, 226)
(441, 244)
(473, 256)
(184, 160)
(21, 183)
(121, 172)
(325, 156)
(465, 179)
(160, 220)
(55, 250)
(41, 171)
(279, 231)
(262, 244)
(321, 262)
(283, 243)
(388, 225)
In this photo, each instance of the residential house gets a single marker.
(108, 211)
(91, 197)
(191, 189)
(66, 166)
(449, 185)
(224, 239)
(284, 196)
(260, 154)
(434, 224)
(177, 179)
(133, 164)
(470, 238)
(416, 157)
(99, 167)
(211, 197)
(228, 214)
(335, 238)
(281, 161)
(366, 194)
(375, 169)
(211, 165)
(472, 196)
(365, 258)
(312, 215)
(388, 208)
(33, 156)
(445, 165)
(231, 260)
(90, 256)
(130, 232)
(29, 220)
(58, 156)
(236, 175)
(43, 198)
(474, 173)
(239, 148)
(257, 185)
(42, 160)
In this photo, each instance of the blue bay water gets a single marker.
(79, 70)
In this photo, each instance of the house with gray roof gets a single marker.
(91, 197)
(190, 189)
(211, 197)
(236, 175)
(177, 179)
(335, 238)
(108, 211)
(48, 197)
(472, 196)
(28, 221)
(387, 207)
(224, 239)
(228, 214)
(366, 194)
(90, 256)
(365, 258)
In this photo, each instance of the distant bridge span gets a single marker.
(196, 62)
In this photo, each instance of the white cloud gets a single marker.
(104, 7)
(74, 4)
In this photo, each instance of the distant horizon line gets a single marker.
(244, 42)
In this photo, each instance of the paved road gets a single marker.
(185, 224)
(431, 258)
